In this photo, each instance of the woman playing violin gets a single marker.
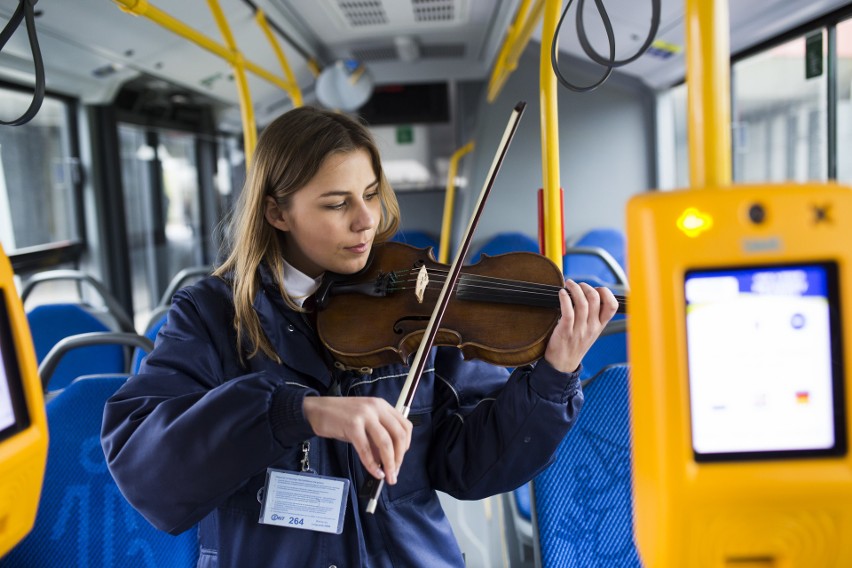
(240, 422)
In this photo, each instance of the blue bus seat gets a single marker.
(68, 346)
(583, 501)
(51, 323)
(112, 313)
(597, 253)
(151, 333)
(502, 243)
(419, 239)
(609, 348)
(83, 520)
(611, 240)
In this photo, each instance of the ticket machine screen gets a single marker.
(764, 358)
(13, 411)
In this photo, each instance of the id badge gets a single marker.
(304, 501)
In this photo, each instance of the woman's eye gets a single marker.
(372, 195)
(336, 206)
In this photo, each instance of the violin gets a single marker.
(502, 311)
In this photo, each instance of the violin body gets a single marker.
(382, 319)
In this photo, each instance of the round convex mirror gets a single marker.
(346, 85)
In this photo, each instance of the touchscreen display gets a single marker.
(13, 414)
(765, 375)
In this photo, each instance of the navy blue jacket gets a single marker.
(189, 439)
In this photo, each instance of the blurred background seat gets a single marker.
(582, 503)
(502, 243)
(83, 520)
(51, 321)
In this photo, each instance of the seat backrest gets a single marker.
(83, 520)
(502, 243)
(576, 263)
(611, 240)
(112, 313)
(419, 239)
(583, 514)
(50, 323)
(609, 348)
(150, 333)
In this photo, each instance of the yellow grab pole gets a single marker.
(502, 67)
(516, 40)
(550, 139)
(449, 203)
(294, 92)
(144, 9)
(238, 63)
(708, 70)
(229, 54)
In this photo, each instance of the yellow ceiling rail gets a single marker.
(239, 66)
(517, 37)
(553, 231)
(145, 9)
(294, 92)
(708, 70)
(449, 202)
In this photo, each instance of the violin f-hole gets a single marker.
(397, 326)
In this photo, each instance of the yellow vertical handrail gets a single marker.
(708, 84)
(517, 37)
(295, 93)
(238, 64)
(550, 139)
(449, 202)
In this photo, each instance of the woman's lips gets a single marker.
(358, 249)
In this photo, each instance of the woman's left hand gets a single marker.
(580, 325)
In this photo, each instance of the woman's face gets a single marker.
(331, 222)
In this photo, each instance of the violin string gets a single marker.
(500, 283)
(472, 284)
(488, 283)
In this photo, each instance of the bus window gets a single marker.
(844, 101)
(160, 182)
(38, 205)
(780, 115)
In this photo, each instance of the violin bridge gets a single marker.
(420, 285)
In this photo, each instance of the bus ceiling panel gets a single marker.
(407, 40)
(752, 24)
(92, 47)
(70, 68)
(664, 65)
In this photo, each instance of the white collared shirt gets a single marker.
(298, 284)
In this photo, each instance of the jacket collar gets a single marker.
(290, 334)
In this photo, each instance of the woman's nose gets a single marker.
(365, 217)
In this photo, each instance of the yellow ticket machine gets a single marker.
(741, 317)
(23, 426)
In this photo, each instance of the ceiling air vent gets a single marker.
(434, 10)
(383, 53)
(363, 12)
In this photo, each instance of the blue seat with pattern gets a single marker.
(583, 501)
(83, 520)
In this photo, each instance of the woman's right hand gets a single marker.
(378, 431)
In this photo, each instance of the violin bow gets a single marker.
(374, 486)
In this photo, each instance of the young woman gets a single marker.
(239, 422)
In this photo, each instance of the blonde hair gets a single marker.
(288, 155)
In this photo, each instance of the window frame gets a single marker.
(50, 255)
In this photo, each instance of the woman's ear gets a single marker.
(274, 215)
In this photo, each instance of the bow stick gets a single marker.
(406, 397)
